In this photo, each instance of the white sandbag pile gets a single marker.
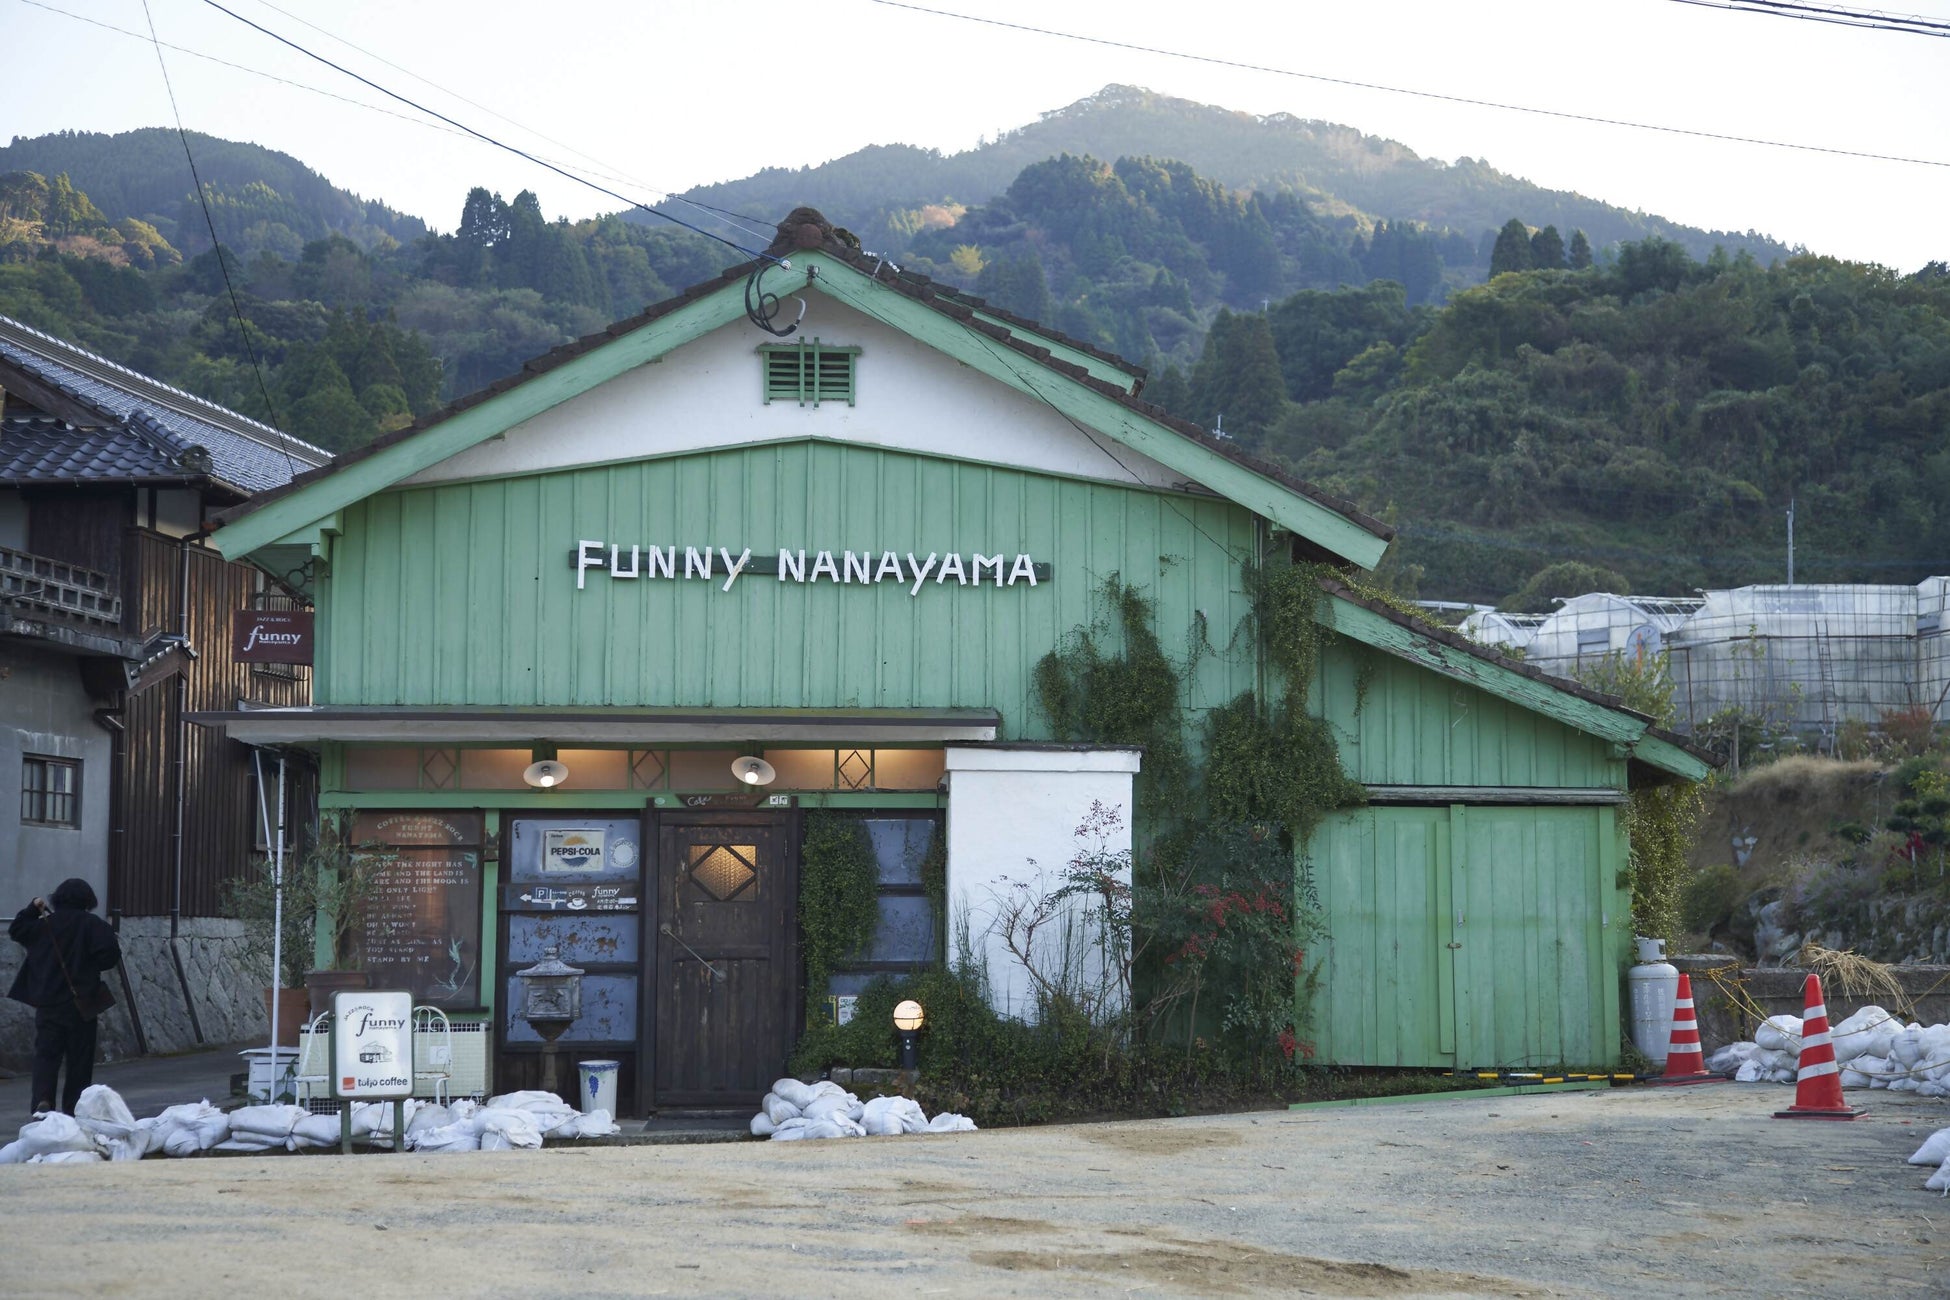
(1874, 1048)
(515, 1121)
(795, 1110)
(103, 1129)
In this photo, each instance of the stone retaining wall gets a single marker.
(1778, 991)
(229, 1002)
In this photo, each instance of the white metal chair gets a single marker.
(312, 1071)
(433, 1050)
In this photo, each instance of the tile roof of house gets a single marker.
(46, 449)
(243, 455)
(806, 230)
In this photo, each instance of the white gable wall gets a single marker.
(710, 394)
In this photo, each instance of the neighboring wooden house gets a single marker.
(684, 543)
(115, 620)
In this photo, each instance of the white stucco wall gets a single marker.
(1013, 817)
(707, 394)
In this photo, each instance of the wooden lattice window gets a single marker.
(50, 791)
(727, 872)
(808, 372)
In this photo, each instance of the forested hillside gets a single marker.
(887, 192)
(260, 199)
(1651, 416)
(1629, 406)
(352, 340)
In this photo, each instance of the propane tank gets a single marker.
(1654, 983)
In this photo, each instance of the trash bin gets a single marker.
(598, 1090)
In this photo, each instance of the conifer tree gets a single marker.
(1580, 251)
(1547, 249)
(1512, 251)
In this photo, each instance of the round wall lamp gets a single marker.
(547, 774)
(753, 770)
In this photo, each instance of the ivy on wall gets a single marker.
(839, 902)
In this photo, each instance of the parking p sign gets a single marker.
(372, 1044)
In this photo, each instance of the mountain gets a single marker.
(262, 200)
(880, 189)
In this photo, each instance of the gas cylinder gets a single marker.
(1654, 983)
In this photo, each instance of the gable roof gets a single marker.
(1655, 750)
(983, 337)
(243, 455)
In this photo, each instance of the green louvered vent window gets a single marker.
(808, 373)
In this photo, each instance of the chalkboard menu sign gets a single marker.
(422, 925)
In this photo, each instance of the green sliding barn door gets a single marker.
(1468, 937)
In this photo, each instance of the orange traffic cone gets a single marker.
(1684, 1061)
(1818, 1087)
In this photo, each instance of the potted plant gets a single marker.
(326, 885)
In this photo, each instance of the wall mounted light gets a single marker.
(547, 774)
(753, 770)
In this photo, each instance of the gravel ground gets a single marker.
(1618, 1193)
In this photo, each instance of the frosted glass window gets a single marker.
(382, 767)
(802, 769)
(908, 769)
(494, 769)
(702, 769)
(595, 769)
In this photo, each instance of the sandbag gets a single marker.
(793, 1093)
(456, 1136)
(778, 1109)
(596, 1124)
(790, 1131)
(1730, 1058)
(101, 1104)
(833, 1126)
(315, 1131)
(66, 1157)
(1906, 1047)
(1940, 1180)
(53, 1132)
(947, 1122)
(1779, 1034)
(268, 1121)
(893, 1116)
(829, 1104)
(189, 1128)
(506, 1129)
(762, 1125)
(425, 1119)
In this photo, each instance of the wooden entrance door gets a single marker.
(725, 958)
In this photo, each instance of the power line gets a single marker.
(1874, 19)
(216, 250)
(761, 232)
(482, 135)
(1404, 90)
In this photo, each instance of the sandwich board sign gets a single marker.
(372, 1044)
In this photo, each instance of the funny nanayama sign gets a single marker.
(634, 562)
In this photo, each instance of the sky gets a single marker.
(659, 96)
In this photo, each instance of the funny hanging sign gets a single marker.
(634, 562)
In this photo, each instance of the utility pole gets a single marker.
(1790, 541)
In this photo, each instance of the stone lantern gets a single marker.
(551, 1001)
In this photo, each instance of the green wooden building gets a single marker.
(688, 542)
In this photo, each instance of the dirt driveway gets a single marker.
(1637, 1192)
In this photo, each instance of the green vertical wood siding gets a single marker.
(1412, 726)
(464, 594)
(1527, 896)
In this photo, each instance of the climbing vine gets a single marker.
(839, 900)
(1224, 924)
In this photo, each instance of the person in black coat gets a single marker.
(68, 933)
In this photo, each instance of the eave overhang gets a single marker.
(482, 725)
